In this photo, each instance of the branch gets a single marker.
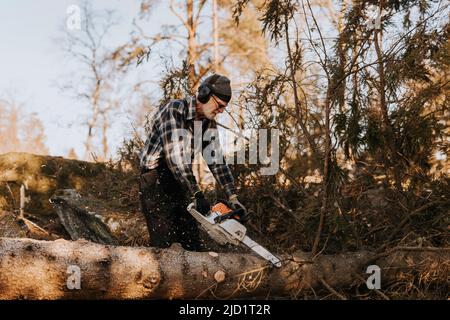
(185, 23)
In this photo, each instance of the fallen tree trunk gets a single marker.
(32, 269)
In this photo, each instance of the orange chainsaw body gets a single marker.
(223, 209)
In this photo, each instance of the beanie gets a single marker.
(220, 86)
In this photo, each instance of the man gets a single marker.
(167, 183)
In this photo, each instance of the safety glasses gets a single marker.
(219, 105)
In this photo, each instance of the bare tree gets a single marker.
(95, 80)
(9, 126)
(20, 131)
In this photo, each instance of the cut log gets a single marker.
(31, 269)
(89, 218)
(79, 222)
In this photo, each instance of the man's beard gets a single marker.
(210, 115)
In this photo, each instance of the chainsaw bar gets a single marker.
(230, 231)
(261, 251)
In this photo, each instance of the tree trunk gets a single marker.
(388, 130)
(326, 172)
(105, 126)
(92, 122)
(32, 269)
(192, 45)
(215, 23)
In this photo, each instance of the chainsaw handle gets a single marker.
(229, 215)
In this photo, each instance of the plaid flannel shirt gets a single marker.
(168, 119)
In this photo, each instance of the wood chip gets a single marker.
(219, 276)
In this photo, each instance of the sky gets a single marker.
(32, 63)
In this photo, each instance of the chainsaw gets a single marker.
(223, 226)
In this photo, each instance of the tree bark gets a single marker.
(32, 269)
(388, 130)
(192, 45)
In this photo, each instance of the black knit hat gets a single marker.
(220, 86)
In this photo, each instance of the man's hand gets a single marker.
(201, 204)
(236, 204)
